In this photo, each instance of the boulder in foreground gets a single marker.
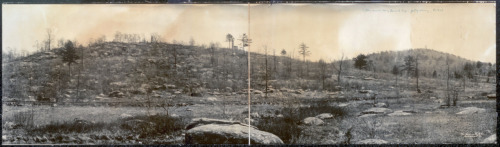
(214, 131)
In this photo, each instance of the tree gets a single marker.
(50, 37)
(304, 52)
(360, 61)
(322, 72)
(283, 53)
(230, 40)
(395, 71)
(69, 55)
(434, 74)
(191, 42)
(339, 70)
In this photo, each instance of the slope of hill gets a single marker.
(143, 69)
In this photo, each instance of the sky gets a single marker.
(329, 30)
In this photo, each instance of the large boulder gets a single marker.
(215, 131)
(491, 139)
(313, 121)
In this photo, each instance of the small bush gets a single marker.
(76, 126)
(155, 124)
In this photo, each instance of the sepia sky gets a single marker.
(467, 30)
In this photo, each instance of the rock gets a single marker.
(298, 91)
(380, 105)
(251, 121)
(4, 138)
(492, 96)
(116, 94)
(216, 93)
(433, 98)
(170, 86)
(372, 141)
(280, 116)
(177, 92)
(174, 115)
(283, 90)
(377, 111)
(343, 105)
(368, 115)
(229, 89)
(365, 91)
(258, 92)
(125, 115)
(255, 115)
(399, 113)
(215, 131)
(472, 110)
(211, 99)
(492, 139)
(325, 116)
(313, 121)
(369, 78)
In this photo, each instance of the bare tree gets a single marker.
(191, 42)
(339, 69)
(322, 72)
(50, 37)
(304, 52)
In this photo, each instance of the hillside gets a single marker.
(161, 69)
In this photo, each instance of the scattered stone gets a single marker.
(255, 115)
(116, 94)
(365, 91)
(409, 111)
(125, 115)
(399, 113)
(325, 116)
(372, 141)
(377, 111)
(211, 99)
(313, 121)
(170, 86)
(380, 105)
(368, 115)
(492, 139)
(472, 110)
(343, 105)
(177, 92)
(215, 131)
(258, 92)
(280, 116)
(369, 78)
